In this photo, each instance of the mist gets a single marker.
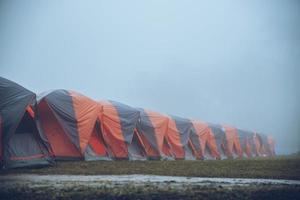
(229, 62)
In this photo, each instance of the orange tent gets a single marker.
(256, 144)
(68, 125)
(118, 124)
(233, 147)
(220, 138)
(152, 128)
(271, 142)
(204, 141)
(69, 121)
(246, 141)
(266, 145)
(179, 132)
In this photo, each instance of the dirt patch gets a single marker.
(33, 180)
(143, 187)
(69, 180)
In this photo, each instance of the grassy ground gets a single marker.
(273, 168)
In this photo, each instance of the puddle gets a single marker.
(139, 180)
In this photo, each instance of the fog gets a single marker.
(232, 62)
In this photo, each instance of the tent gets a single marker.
(246, 142)
(266, 149)
(179, 133)
(233, 143)
(220, 138)
(22, 144)
(271, 142)
(256, 144)
(69, 121)
(67, 125)
(204, 141)
(152, 128)
(118, 124)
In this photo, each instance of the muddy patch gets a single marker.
(33, 180)
(142, 187)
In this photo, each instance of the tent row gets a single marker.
(66, 125)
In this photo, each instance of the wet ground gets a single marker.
(256, 178)
(31, 186)
(95, 180)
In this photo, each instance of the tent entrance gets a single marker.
(136, 149)
(167, 152)
(236, 150)
(150, 149)
(24, 144)
(61, 145)
(207, 151)
(189, 152)
(96, 149)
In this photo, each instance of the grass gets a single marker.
(285, 167)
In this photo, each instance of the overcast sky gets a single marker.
(233, 62)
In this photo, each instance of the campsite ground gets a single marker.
(285, 167)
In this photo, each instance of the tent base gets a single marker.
(36, 163)
(68, 158)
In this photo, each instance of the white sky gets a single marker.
(234, 62)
